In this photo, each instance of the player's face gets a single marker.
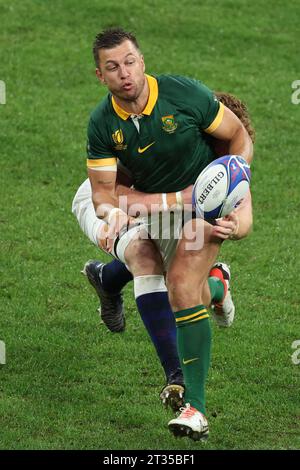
(122, 70)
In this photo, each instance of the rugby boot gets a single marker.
(172, 393)
(111, 305)
(223, 312)
(190, 423)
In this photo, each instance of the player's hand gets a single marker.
(227, 227)
(117, 220)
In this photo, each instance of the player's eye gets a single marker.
(130, 62)
(111, 68)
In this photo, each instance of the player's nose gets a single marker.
(124, 73)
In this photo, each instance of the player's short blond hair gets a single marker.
(110, 38)
(239, 109)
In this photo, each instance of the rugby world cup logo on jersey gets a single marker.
(169, 124)
(118, 139)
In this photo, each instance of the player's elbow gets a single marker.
(245, 227)
(242, 140)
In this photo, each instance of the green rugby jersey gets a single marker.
(170, 149)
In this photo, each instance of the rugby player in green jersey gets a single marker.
(156, 127)
(109, 279)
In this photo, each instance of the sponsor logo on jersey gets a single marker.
(118, 139)
(169, 124)
(142, 150)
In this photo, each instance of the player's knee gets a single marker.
(182, 293)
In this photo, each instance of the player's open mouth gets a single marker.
(127, 86)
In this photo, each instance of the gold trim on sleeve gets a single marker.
(101, 162)
(217, 121)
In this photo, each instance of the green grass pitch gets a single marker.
(68, 383)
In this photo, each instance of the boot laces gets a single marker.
(187, 411)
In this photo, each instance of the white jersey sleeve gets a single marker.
(83, 209)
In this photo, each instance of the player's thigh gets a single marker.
(195, 255)
(165, 230)
(196, 250)
(143, 257)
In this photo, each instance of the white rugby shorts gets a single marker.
(164, 228)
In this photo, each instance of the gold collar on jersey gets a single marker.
(153, 95)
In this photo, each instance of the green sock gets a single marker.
(194, 343)
(216, 288)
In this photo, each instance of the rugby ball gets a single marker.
(221, 186)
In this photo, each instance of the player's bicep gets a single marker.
(226, 127)
(100, 156)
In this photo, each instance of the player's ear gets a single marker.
(100, 75)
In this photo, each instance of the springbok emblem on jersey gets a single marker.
(169, 124)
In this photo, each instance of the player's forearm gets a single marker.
(241, 144)
(104, 202)
(104, 197)
(245, 218)
(139, 203)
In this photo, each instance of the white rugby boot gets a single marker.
(223, 312)
(190, 423)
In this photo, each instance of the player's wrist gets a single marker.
(110, 214)
(171, 201)
(179, 199)
(114, 213)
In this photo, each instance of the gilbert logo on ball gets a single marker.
(221, 186)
